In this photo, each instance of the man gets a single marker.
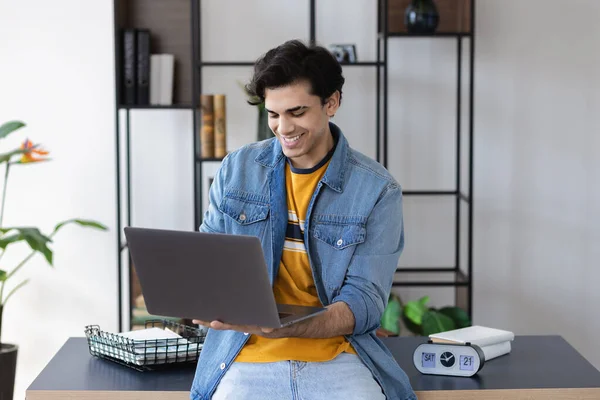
(330, 223)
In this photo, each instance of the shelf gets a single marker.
(212, 159)
(454, 18)
(430, 277)
(461, 195)
(464, 198)
(362, 64)
(425, 269)
(156, 107)
(176, 29)
(429, 192)
(251, 64)
(430, 35)
(169, 23)
(226, 64)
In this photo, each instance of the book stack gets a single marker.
(213, 128)
(147, 79)
(493, 342)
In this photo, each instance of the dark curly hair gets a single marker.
(294, 61)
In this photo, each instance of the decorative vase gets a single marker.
(421, 16)
(8, 366)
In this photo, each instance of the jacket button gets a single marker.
(245, 333)
(222, 365)
(340, 242)
(242, 217)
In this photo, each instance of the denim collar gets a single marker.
(272, 156)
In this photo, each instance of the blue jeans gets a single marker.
(345, 377)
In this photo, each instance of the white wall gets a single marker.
(537, 184)
(56, 75)
(537, 189)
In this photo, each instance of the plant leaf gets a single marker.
(414, 310)
(82, 222)
(5, 241)
(458, 315)
(9, 127)
(435, 322)
(391, 315)
(411, 326)
(5, 157)
(34, 238)
(2, 276)
(38, 242)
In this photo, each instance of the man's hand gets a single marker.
(251, 329)
(338, 320)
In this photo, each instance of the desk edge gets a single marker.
(105, 395)
(502, 394)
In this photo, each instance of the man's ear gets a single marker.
(332, 104)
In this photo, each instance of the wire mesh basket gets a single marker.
(148, 355)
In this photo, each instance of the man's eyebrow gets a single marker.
(293, 109)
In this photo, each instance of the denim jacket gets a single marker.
(354, 236)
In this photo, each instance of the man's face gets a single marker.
(301, 122)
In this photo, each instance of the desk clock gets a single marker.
(448, 359)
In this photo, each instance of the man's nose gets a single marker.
(286, 126)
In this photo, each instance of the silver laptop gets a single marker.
(208, 276)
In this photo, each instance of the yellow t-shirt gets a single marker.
(294, 283)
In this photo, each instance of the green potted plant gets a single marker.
(27, 154)
(421, 319)
(263, 131)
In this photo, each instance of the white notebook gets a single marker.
(154, 333)
(162, 67)
(480, 335)
(495, 350)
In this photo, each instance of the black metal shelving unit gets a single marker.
(462, 280)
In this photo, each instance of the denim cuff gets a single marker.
(359, 308)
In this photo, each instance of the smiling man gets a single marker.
(332, 235)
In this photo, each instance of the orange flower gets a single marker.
(31, 151)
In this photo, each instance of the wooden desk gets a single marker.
(539, 367)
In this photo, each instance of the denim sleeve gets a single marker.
(213, 217)
(369, 276)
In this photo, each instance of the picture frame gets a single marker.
(344, 53)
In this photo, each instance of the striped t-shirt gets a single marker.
(294, 283)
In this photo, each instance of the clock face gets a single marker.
(447, 359)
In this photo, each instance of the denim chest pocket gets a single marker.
(244, 211)
(339, 232)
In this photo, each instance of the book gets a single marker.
(143, 66)
(155, 79)
(220, 126)
(496, 350)
(162, 67)
(480, 335)
(129, 67)
(150, 334)
(167, 68)
(207, 127)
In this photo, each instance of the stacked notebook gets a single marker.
(493, 342)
